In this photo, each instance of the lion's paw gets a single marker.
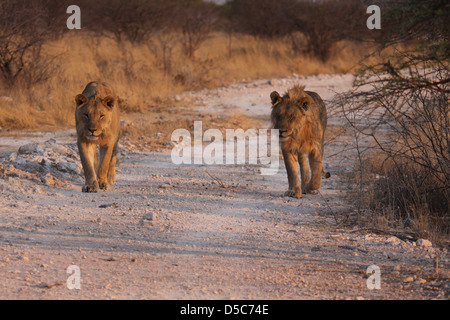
(293, 194)
(103, 185)
(90, 188)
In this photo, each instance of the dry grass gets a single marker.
(394, 195)
(143, 76)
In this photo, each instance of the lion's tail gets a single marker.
(326, 175)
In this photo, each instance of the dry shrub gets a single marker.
(402, 107)
(414, 197)
(24, 29)
(395, 193)
(312, 27)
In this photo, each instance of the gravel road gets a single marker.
(167, 231)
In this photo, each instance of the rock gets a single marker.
(12, 156)
(31, 148)
(111, 205)
(408, 279)
(38, 189)
(50, 180)
(56, 148)
(70, 167)
(150, 216)
(165, 185)
(393, 241)
(424, 243)
(420, 281)
(19, 161)
(28, 165)
(274, 82)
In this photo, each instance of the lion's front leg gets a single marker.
(112, 164)
(290, 160)
(105, 160)
(87, 155)
(315, 162)
(304, 170)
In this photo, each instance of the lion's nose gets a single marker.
(92, 131)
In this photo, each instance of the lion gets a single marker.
(301, 118)
(97, 123)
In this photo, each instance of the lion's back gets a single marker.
(319, 108)
(98, 89)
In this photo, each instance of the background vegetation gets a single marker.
(151, 50)
(402, 105)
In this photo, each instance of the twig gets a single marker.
(220, 182)
(331, 210)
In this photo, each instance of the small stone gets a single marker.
(70, 167)
(424, 243)
(13, 156)
(408, 279)
(19, 162)
(393, 239)
(421, 281)
(274, 82)
(49, 180)
(165, 186)
(150, 216)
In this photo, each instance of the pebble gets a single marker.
(408, 279)
(151, 216)
(420, 281)
(393, 239)
(424, 243)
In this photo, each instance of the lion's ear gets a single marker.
(81, 99)
(109, 102)
(275, 97)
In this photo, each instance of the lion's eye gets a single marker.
(86, 115)
(102, 116)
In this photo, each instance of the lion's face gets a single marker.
(94, 116)
(289, 114)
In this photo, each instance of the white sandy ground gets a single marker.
(173, 232)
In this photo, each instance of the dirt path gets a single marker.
(173, 232)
